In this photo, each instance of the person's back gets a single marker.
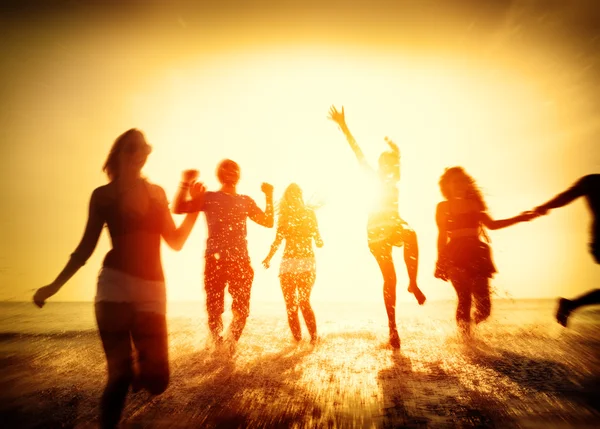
(299, 233)
(135, 234)
(226, 216)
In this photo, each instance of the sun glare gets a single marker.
(268, 112)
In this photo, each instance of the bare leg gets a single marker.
(114, 322)
(483, 303)
(150, 339)
(411, 259)
(463, 307)
(383, 256)
(566, 306)
(305, 284)
(288, 287)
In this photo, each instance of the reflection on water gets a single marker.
(520, 369)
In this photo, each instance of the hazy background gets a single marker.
(508, 89)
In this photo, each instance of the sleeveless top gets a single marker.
(139, 257)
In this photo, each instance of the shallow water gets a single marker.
(520, 369)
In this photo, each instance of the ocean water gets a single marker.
(519, 369)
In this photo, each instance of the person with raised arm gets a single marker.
(130, 300)
(385, 227)
(227, 262)
(463, 258)
(588, 187)
(297, 225)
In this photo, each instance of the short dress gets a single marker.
(467, 254)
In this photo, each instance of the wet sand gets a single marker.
(529, 373)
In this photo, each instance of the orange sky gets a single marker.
(510, 93)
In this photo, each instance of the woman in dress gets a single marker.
(463, 257)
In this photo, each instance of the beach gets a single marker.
(520, 369)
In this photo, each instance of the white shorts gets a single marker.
(146, 295)
(297, 266)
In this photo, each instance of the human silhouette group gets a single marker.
(130, 301)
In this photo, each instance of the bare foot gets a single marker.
(414, 289)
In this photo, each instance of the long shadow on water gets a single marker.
(217, 391)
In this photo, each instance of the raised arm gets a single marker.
(504, 223)
(184, 202)
(564, 198)
(340, 119)
(175, 237)
(265, 218)
(81, 254)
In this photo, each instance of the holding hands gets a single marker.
(527, 216)
(189, 181)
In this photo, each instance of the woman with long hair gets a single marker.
(130, 302)
(386, 229)
(297, 225)
(463, 257)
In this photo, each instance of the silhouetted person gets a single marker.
(385, 226)
(463, 258)
(130, 299)
(227, 262)
(297, 225)
(588, 187)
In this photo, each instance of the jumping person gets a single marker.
(297, 225)
(130, 300)
(227, 262)
(385, 227)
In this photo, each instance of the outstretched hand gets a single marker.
(392, 145)
(266, 263)
(267, 188)
(337, 116)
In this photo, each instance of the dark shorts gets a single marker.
(238, 275)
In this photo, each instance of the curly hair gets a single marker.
(473, 191)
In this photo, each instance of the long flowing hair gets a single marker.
(292, 212)
(111, 165)
(473, 192)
